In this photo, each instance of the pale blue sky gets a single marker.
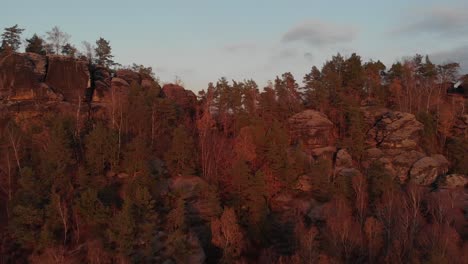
(201, 41)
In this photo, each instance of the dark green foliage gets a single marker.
(28, 208)
(69, 50)
(35, 45)
(104, 53)
(11, 38)
(101, 148)
(181, 158)
(133, 229)
(355, 132)
(429, 135)
(457, 149)
(379, 181)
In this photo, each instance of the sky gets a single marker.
(201, 41)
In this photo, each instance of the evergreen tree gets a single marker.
(28, 208)
(11, 38)
(35, 45)
(69, 50)
(134, 228)
(103, 53)
(101, 149)
(181, 158)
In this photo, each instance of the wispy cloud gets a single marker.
(319, 33)
(308, 56)
(458, 54)
(442, 21)
(241, 47)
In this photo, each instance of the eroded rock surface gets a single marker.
(315, 130)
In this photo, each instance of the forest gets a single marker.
(355, 162)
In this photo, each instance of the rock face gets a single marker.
(68, 76)
(396, 130)
(460, 128)
(455, 181)
(184, 98)
(394, 140)
(426, 170)
(315, 130)
(101, 78)
(21, 76)
(129, 76)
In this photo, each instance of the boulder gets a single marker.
(304, 183)
(396, 130)
(426, 170)
(129, 76)
(374, 153)
(101, 83)
(314, 129)
(188, 185)
(186, 99)
(21, 75)
(460, 128)
(148, 83)
(343, 160)
(455, 181)
(401, 164)
(68, 76)
(287, 203)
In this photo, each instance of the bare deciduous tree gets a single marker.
(57, 39)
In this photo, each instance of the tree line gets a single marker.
(97, 192)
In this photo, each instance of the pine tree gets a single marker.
(11, 38)
(101, 149)
(103, 53)
(69, 50)
(35, 45)
(181, 158)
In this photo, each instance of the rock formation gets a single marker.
(315, 130)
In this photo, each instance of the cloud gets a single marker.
(318, 33)
(308, 56)
(287, 53)
(458, 54)
(443, 21)
(241, 47)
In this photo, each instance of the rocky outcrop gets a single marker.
(129, 76)
(426, 170)
(101, 83)
(460, 128)
(186, 99)
(396, 131)
(343, 160)
(315, 130)
(21, 76)
(394, 140)
(454, 181)
(68, 76)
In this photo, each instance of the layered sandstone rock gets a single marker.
(396, 131)
(129, 76)
(455, 181)
(68, 76)
(315, 130)
(426, 170)
(102, 79)
(21, 75)
(186, 99)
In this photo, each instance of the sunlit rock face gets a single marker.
(315, 131)
(186, 99)
(68, 76)
(21, 76)
(395, 140)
